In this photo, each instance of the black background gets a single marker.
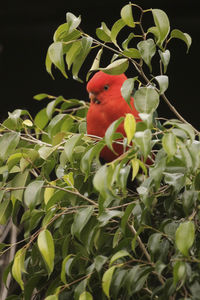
(26, 31)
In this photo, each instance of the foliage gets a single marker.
(82, 233)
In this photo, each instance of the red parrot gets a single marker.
(106, 106)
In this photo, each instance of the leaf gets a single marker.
(95, 64)
(86, 43)
(72, 21)
(81, 219)
(19, 181)
(143, 141)
(103, 33)
(127, 89)
(85, 296)
(32, 193)
(18, 266)
(146, 100)
(165, 58)
(162, 23)
(129, 126)
(99, 261)
(185, 235)
(105, 217)
(56, 53)
(117, 67)
(48, 192)
(106, 281)
(89, 156)
(135, 167)
(109, 135)
(179, 271)
(62, 274)
(116, 28)
(48, 64)
(127, 15)
(118, 255)
(147, 50)
(46, 246)
(72, 53)
(132, 52)
(70, 145)
(163, 82)
(8, 143)
(51, 297)
(41, 119)
(169, 143)
(5, 211)
(182, 36)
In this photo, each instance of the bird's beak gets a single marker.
(93, 98)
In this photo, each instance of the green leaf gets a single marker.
(127, 15)
(147, 50)
(85, 296)
(41, 119)
(61, 32)
(105, 217)
(162, 23)
(70, 145)
(62, 274)
(132, 52)
(86, 43)
(135, 167)
(5, 211)
(165, 58)
(48, 64)
(117, 67)
(99, 261)
(185, 235)
(117, 256)
(116, 28)
(106, 281)
(126, 41)
(56, 56)
(52, 297)
(146, 100)
(95, 64)
(81, 219)
(103, 33)
(8, 143)
(41, 96)
(32, 193)
(126, 216)
(89, 156)
(18, 267)
(46, 246)
(127, 89)
(109, 135)
(179, 271)
(182, 36)
(163, 82)
(143, 141)
(169, 143)
(183, 126)
(72, 21)
(72, 53)
(129, 126)
(19, 181)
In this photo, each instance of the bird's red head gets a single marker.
(104, 86)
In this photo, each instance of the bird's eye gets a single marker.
(106, 87)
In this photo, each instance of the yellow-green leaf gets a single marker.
(129, 126)
(135, 167)
(18, 267)
(85, 296)
(127, 15)
(46, 246)
(106, 281)
(27, 123)
(185, 234)
(117, 256)
(117, 67)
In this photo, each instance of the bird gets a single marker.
(106, 106)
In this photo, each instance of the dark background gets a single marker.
(26, 31)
